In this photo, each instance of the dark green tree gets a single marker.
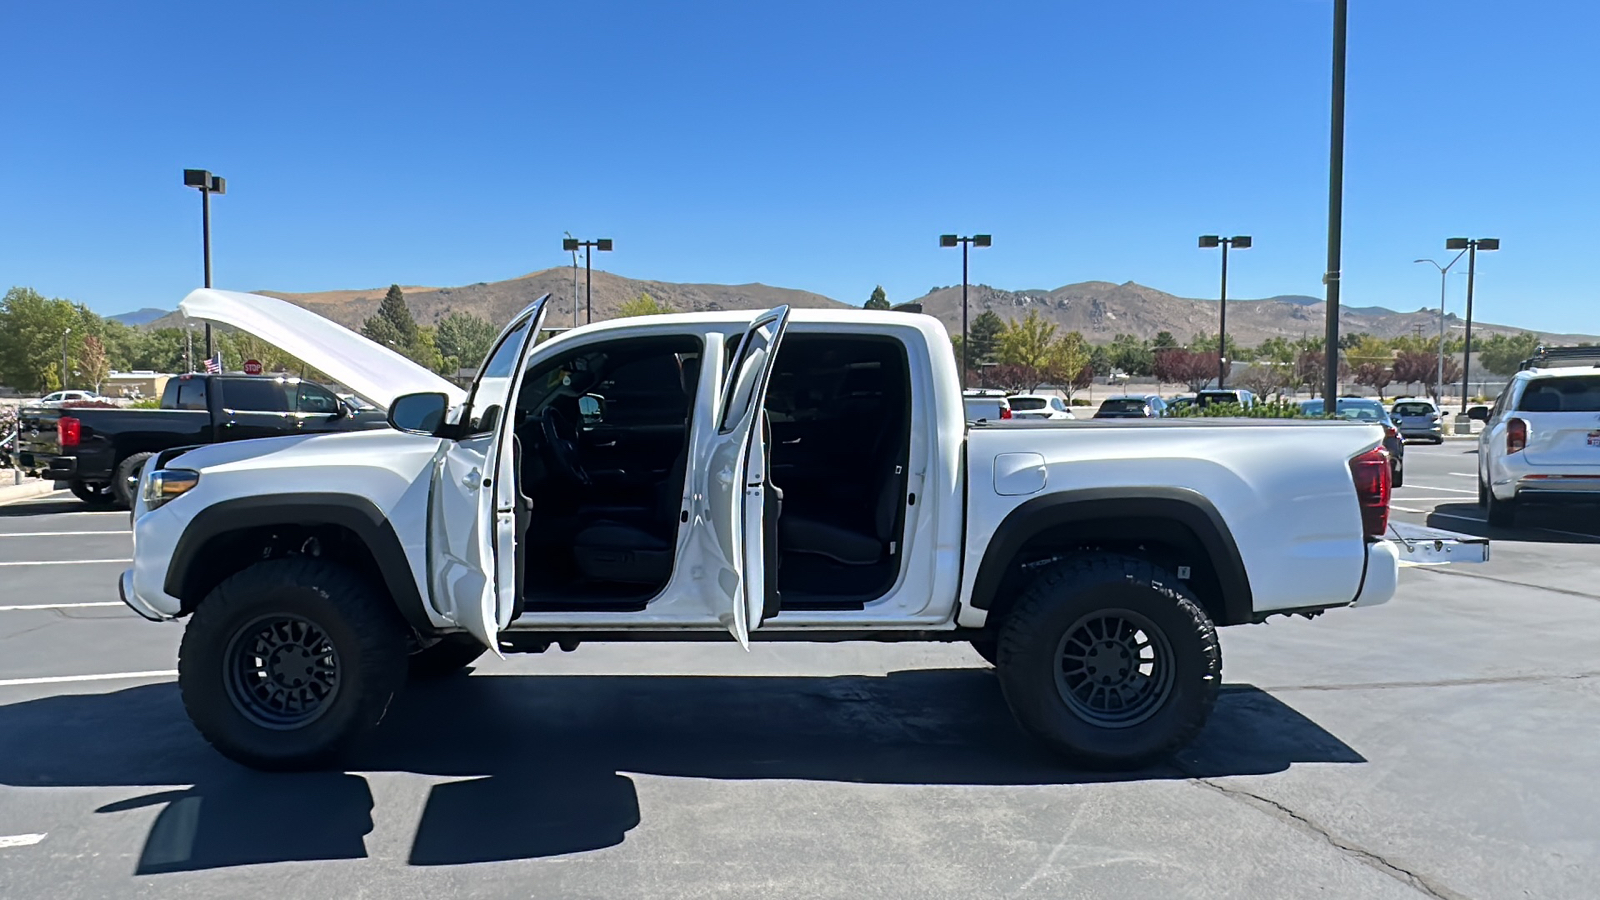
(985, 332)
(1164, 341)
(1100, 360)
(392, 325)
(463, 340)
(878, 300)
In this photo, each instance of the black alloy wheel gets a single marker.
(282, 671)
(1115, 668)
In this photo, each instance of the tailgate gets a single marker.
(1423, 546)
(1566, 440)
(36, 432)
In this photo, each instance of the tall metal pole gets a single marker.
(1438, 392)
(588, 285)
(1466, 357)
(64, 358)
(1222, 333)
(966, 349)
(205, 243)
(1330, 384)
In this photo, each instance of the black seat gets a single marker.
(858, 545)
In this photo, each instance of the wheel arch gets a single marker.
(227, 536)
(1172, 526)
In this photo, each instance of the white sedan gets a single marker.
(62, 397)
(1039, 406)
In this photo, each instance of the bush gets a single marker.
(1268, 409)
(146, 403)
(1079, 401)
(88, 404)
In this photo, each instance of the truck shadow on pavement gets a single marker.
(534, 766)
(1535, 524)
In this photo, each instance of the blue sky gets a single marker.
(815, 145)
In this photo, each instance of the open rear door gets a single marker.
(733, 477)
(472, 512)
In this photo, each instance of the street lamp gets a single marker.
(574, 278)
(1471, 246)
(1443, 272)
(207, 184)
(604, 246)
(977, 240)
(1239, 242)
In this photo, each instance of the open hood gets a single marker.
(370, 370)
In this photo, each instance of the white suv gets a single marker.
(1542, 441)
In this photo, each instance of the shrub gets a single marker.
(1267, 409)
(146, 403)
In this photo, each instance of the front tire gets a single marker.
(1110, 661)
(94, 493)
(288, 663)
(126, 483)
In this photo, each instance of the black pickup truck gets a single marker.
(100, 452)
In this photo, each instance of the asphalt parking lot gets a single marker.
(1442, 745)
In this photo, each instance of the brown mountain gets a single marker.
(1100, 310)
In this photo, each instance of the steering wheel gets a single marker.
(559, 441)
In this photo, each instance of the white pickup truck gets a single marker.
(681, 477)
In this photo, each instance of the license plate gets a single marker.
(1594, 438)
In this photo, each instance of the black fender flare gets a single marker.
(357, 514)
(1187, 508)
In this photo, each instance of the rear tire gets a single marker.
(448, 656)
(1502, 513)
(1110, 661)
(126, 483)
(290, 662)
(94, 493)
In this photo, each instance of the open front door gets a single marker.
(733, 477)
(472, 514)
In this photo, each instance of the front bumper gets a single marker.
(125, 592)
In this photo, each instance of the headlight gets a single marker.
(164, 484)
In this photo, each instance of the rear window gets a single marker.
(257, 395)
(1573, 394)
(1412, 409)
(1023, 404)
(1129, 405)
(1358, 411)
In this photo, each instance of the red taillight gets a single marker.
(1005, 412)
(1390, 432)
(1373, 479)
(69, 431)
(1516, 435)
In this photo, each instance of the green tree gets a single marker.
(463, 340)
(643, 305)
(1132, 355)
(32, 330)
(878, 300)
(394, 311)
(1503, 354)
(1100, 360)
(1028, 343)
(985, 333)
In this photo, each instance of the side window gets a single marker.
(1500, 403)
(493, 387)
(316, 399)
(191, 394)
(257, 395)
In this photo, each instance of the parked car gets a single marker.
(1225, 395)
(1541, 443)
(1133, 406)
(1039, 406)
(1417, 417)
(1366, 409)
(100, 452)
(1091, 565)
(982, 404)
(59, 398)
(1179, 403)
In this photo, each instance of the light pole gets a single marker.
(1472, 246)
(1443, 272)
(1330, 277)
(1239, 242)
(976, 240)
(207, 184)
(604, 246)
(64, 358)
(574, 279)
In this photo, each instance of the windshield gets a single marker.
(1023, 404)
(1572, 394)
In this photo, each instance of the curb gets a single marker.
(30, 487)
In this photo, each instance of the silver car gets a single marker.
(1417, 417)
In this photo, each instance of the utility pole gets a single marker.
(1330, 381)
(976, 240)
(603, 245)
(208, 184)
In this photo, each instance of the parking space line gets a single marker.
(1466, 474)
(58, 533)
(1406, 508)
(19, 840)
(67, 679)
(61, 605)
(1429, 487)
(63, 562)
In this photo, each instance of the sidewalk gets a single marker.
(30, 487)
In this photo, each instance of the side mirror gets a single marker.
(418, 413)
(592, 407)
(1481, 413)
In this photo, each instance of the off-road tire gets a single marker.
(988, 649)
(126, 483)
(1073, 591)
(1502, 513)
(95, 494)
(448, 656)
(359, 623)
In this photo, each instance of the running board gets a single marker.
(1423, 546)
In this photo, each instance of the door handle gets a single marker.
(606, 444)
(795, 441)
(471, 479)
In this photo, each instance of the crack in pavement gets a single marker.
(1522, 584)
(1303, 823)
(1447, 682)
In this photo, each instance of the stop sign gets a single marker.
(252, 367)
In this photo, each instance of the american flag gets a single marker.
(214, 365)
